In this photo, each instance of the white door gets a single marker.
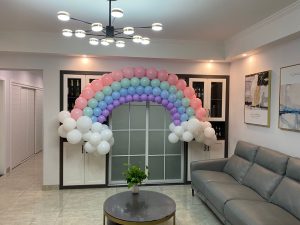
(73, 85)
(216, 151)
(90, 78)
(30, 122)
(38, 120)
(95, 166)
(73, 161)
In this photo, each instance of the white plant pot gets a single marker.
(135, 189)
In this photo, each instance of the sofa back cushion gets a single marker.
(238, 165)
(287, 194)
(266, 172)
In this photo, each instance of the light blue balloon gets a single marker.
(190, 111)
(99, 96)
(164, 85)
(164, 94)
(173, 89)
(145, 81)
(139, 90)
(88, 111)
(115, 95)
(179, 94)
(181, 109)
(172, 98)
(131, 90)
(148, 90)
(107, 90)
(97, 111)
(102, 105)
(94, 119)
(185, 102)
(184, 117)
(92, 103)
(125, 83)
(156, 91)
(155, 83)
(123, 92)
(108, 99)
(178, 103)
(116, 86)
(135, 81)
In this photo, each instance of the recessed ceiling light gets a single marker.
(80, 33)
(67, 32)
(63, 16)
(211, 60)
(96, 27)
(157, 26)
(117, 12)
(244, 55)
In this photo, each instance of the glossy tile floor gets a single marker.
(23, 202)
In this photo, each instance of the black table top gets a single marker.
(146, 206)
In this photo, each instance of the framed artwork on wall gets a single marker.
(257, 98)
(289, 98)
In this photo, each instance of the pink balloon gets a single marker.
(162, 75)
(172, 79)
(76, 113)
(107, 79)
(97, 85)
(89, 85)
(117, 75)
(88, 93)
(151, 73)
(80, 103)
(201, 114)
(128, 72)
(181, 84)
(196, 103)
(189, 92)
(139, 72)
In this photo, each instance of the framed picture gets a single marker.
(289, 98)
(257, 98)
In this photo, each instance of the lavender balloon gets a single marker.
(144, 97)
(170, 106)
(122, 100)
(105, 113)
(101, 119)
(176, 116)
(136, 97)
(157, 99)
(165, 102)
(128, 98)
(116, 103)
(173, 110)
(110, 107)
(177, 122)
(151, 98)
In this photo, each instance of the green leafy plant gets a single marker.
(134, 175)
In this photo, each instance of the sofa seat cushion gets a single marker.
(247, 212)
(201, 177)
(219, 193)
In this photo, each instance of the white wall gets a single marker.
(287, 53)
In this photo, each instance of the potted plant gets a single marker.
(134, 176)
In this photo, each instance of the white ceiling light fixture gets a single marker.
(109, 33)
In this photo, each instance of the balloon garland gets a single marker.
(103, 95)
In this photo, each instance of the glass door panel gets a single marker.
(137, 142)
(216, 99)
(199, 89)
(74, 90)
(156, 168)
(156, 143)
(173, 167)
(117, 167)
(121, 145)
(120, 115)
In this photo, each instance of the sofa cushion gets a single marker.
(237, 167)
(245, 212)
(219, 193)
(271, 160)
(201, 177)
(246, 150)
(262, 180)
(287, 196)
(293, 169)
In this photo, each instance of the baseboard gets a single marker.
(7, 170)
(50, 187)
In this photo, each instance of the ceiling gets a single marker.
(208, 20)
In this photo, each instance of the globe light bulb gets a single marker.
(120, 44)
(104, 42)
(137, 39)
(97, 27)
(117, 12)
(157, 26)
(63, 16)
(94, 41)
(128, 30)
(67, 32)
(80, 33)
(110, 40)
(145, 41)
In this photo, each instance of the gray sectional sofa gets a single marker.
(256, 186)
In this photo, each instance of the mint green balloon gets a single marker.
(116, 86)
(155, 83)
(145, 81)
(99, 96)
(173, 89)
(190, 111)
(179, 94)
(185, 102)
(107, 90)
(92, 103)
(164, 85)
(87, 111)
(135, 81)
(125, 83)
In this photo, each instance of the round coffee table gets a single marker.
(146, 207)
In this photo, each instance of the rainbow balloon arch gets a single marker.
(103, 95)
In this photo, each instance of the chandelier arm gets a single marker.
(145, 27)
(96, 35)
(128, 38)
(82, 21)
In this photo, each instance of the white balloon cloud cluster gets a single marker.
(98, 136)
(193, 129)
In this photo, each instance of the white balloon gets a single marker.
(178, 130)
(89, 148)
(184, 125)
(84, 123)
(62, 132)
(63, 115)
(194, 126)
(173, 138)
(172, 127)
(210, 141)
(86, 136)
(200, 138)
(69, 124)
(106, 134)
(97, 127)
(103, 148)
(74, 136)
(206, 124)
(95, 139)
(209, 132)
(104, 127)
(111, 141)
(187, 136)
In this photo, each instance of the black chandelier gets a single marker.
(108, 34)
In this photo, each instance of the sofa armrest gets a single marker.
(212, 165)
